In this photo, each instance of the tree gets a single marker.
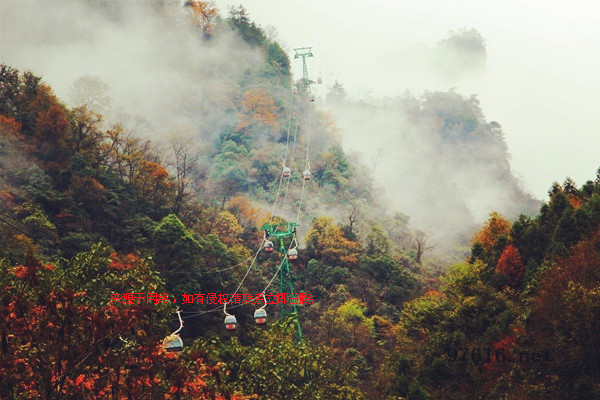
(247, 29)
(337, 94)
(204, 15)
(186, 158)
(175, 245)
(276, 367)
(326, 242)
(466, 310)
(510, 265)
(491, 231)
(377, 242)
(421, 245)
(64, 338)
(91, 92)
(565, 321)
(352, 215)
(51, 124)
(85, 136)
(228, 228)
(246, 213)
(258, 106)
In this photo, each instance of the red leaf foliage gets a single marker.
(510, 265)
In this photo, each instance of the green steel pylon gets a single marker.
(304, 52)
(281, 231)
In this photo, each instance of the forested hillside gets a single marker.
(107, 230)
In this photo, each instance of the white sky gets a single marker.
(541, 81)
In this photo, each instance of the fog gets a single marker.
(539, 82)
(157, 73)
(438, 159)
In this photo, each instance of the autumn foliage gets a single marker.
(327, 242)
(510, 265)
(62, 339)
(491, 231)
(258, 106)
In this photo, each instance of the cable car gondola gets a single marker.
(260, 315)
(230, 320)
(268, 246)
(286, 172)
(173, 343)
(306, 174)
(292, 254)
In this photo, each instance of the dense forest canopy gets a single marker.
(109, 226)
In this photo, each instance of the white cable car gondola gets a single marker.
(306, 174)
(294, 90)
(260, 315)
(292, 254)
(230, 320)
(268, 246)
(173, 342)
(286, 172)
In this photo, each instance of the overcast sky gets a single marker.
(541, 82)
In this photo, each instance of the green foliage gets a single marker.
(276, 367)
(41, 228)
(247, 29)
(279, 60)
(176, 250)
(333, 169)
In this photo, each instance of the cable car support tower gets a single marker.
(280, 232)
(304, 53)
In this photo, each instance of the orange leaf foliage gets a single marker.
(79, 379)
(123, 263)
(9, 127)
(258, 106)
(228, 228)
(203, 14)
(20, 271)
(327, 242)
(242, 208)
(492, 229)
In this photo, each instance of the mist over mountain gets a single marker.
(142, 65)
(159, 74)
(439, 159)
